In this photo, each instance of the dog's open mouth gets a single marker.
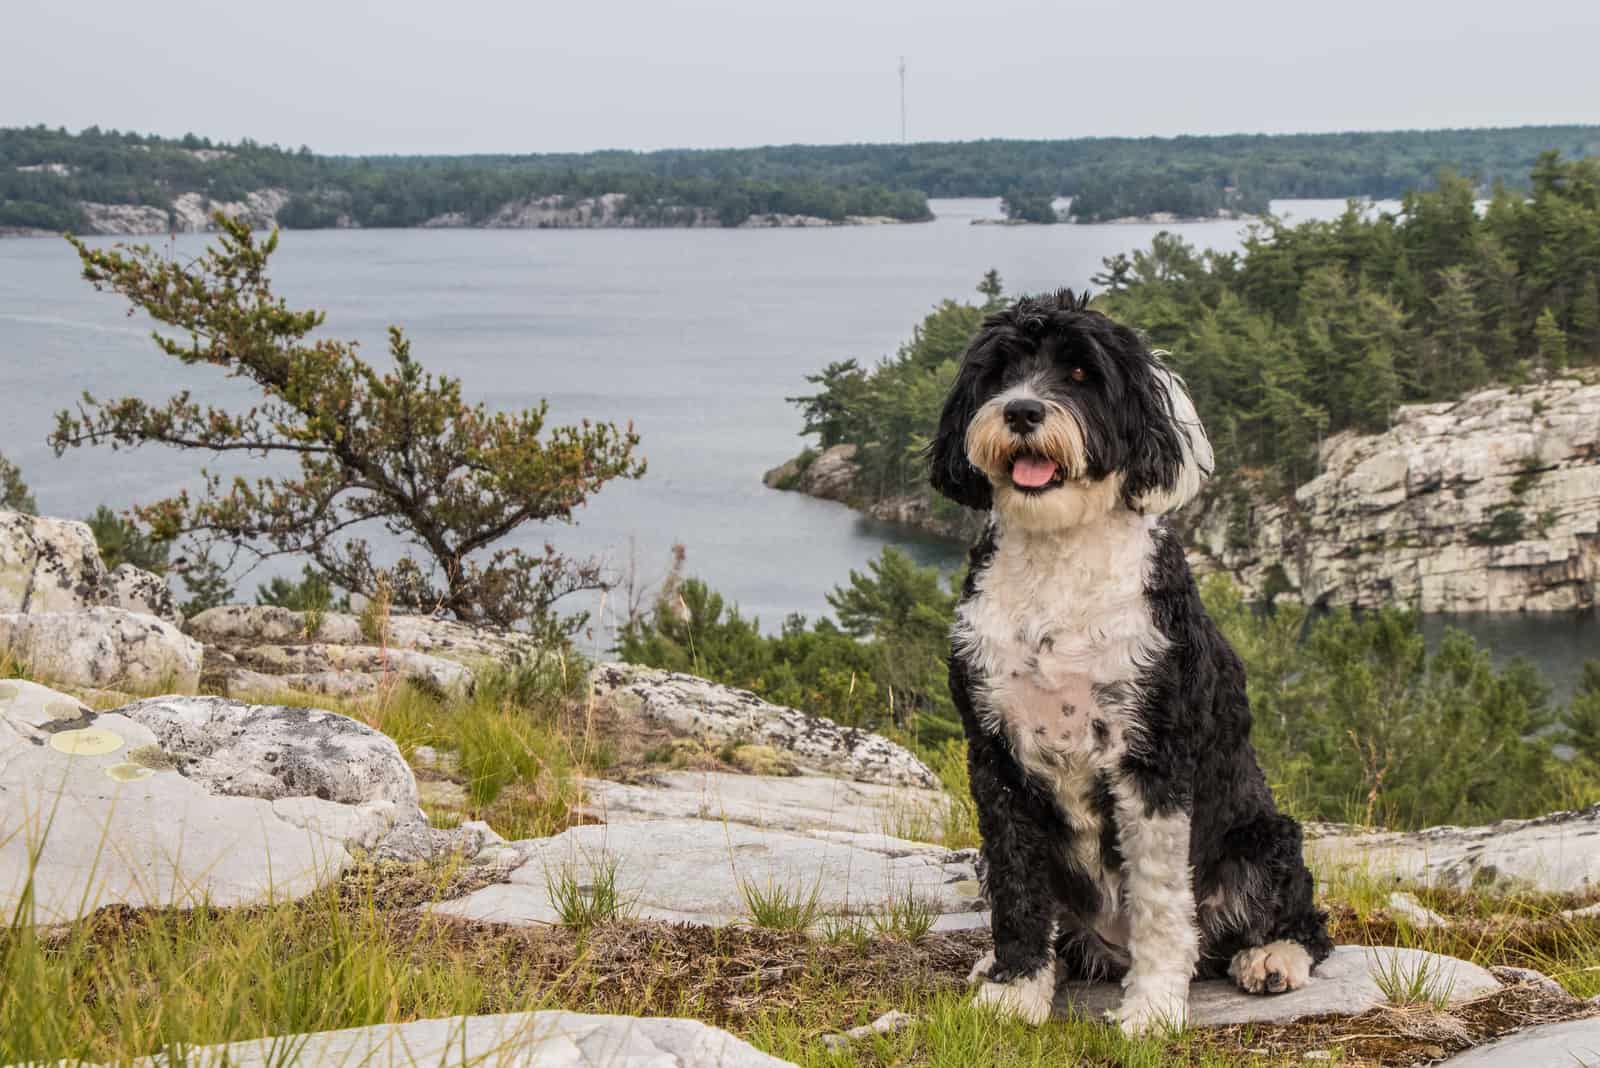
(1032, 473)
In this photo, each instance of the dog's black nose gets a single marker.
(1024, 415)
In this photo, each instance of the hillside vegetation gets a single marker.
(1311, 329)
(45, 173)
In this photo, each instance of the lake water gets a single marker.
(697, 336)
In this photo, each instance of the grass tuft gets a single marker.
(780, 908)
(1407, 981)
(584, 905)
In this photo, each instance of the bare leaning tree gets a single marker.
(398, 448)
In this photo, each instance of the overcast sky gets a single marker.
(467, 76)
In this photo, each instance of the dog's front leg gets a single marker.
(1163, 940)
(1019, 977)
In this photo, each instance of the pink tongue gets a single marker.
(1032, 471)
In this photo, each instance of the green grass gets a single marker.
(1405, 981)
(907, 917)
(584, 903)
(782, 908)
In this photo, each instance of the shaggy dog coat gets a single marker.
(1128, 832)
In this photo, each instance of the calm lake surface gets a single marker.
(697, 336)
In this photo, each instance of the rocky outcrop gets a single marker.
(180, 800)
(260, 650)
(189, 213)
(800, 803)
(700, 870)
(514, 1040)
(1487, 504)
(832, 475)
(53, 565)
(103, 648)
(691, 706)
(1558, 853)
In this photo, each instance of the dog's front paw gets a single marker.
(1274, 968)
(1027, 998)
(1152, 1010)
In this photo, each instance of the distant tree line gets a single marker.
(45, 174)
(1107, 177)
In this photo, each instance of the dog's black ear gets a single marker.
(951, 473)
(1169, 455)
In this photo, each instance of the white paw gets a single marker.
(1274, 968)
(981, 969)
(1028, 999)
(1153, 1009)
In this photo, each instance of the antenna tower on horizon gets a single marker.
(902, 100)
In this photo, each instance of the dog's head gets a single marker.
(1060, 415)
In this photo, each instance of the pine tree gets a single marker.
(14, 493)
(1550, 341)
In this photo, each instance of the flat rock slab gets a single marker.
(692, 706)
(1560, 1045)
(1345, 984)
(183, 800)
(1559, 853)
(512, 1040)
(790, 803)
(694, 871)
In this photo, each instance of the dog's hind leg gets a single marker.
(1261, 922)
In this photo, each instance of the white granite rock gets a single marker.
(1410, 515)
(181, 800)
(1558, 853)
(251, 626)
(693, 706)
(1346, 983)
(1558, 1045)
(694, 870)
(104, 647)
(513, 1040)
(794, 803)
(48, 565)
(136, 590)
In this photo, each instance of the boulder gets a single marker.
(104, 648)
(692, 706)
(48, 565)
(1486, 504)
(53, 565)
(1558, 853)
(179, 800)
(136, 590)
(1347, 983)
(697, 870)
(1557, 1045)
(513, 1040)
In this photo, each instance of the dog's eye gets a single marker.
(1079, 374)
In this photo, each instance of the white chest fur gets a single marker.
(1059, 629)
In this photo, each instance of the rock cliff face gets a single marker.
(1486, 504)
(190, 213)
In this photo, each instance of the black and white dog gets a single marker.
(1128, 831)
